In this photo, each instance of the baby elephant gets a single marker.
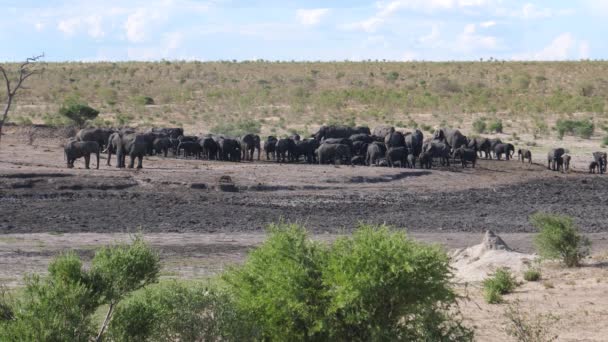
(566, 160)
(465, 155)
(78, 149)
(523, 155)
(593, 166)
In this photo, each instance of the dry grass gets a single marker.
(301, 96)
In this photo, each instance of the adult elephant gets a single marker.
(395, 139)
(337, 131)
(482, 146)
(601, 159)
(286, 150)
(523, 154)
(98, 135)
(230, 149)
(493, 143)
(382, 131)
(190, 148)
(114, 142)
(465, 155)
(375, 152)
(366, 138)
(452, 137)
(359, 148)
(149, 138)
(270, 147)
(250, 143)
(307, 149)
(333, 153)
(439, 150)
(209, 147)
(396, 155)
(173, 133)
(132, 145)
(507, 149)
(554, 158)
(414, 141)
(77, 149)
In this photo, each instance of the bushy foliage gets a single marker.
(479, 126)
(527, 327)
(580, 128)
(558, 238)
(501, 282)
(78, 112)
(496, 126)
(238, 128)
(532, 274)
(59, 307)
(173, 311)
(375, 285)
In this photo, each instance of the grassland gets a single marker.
(292, 96)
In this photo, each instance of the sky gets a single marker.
(314, 30)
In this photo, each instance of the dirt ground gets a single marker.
(199, 229)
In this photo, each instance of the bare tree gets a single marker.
(24, 72)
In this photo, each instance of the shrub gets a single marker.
(143, 100)
(78, 113)
(496, 126)
(528, 327)
(479, 126)
(558, 238)
(392, 76)
(172, 311)
(498, 284)
(375, 285)
(580, 128)
(532, 274)
(605, 141)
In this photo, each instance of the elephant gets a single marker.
(368, 139)
(286, 150)
(114, 141)
(357, 160)
(149, 138)
(190, 148)
(333, 153)
(183, 138)
(229, 149)
(465, 155)
(359, 148)
(382, 131)
(375, 151)
(270, 146)
(601, 159)
(133, 145)
(482, 146)
(307, 149)
(173, 133)
(523, 154)
(452, 137)
(566, 163)
(74, 149)
(337, 131)
(414, 141)
(426, 160)
(99, 135)
(295, 137)
(161, 145)
(396, 155)
(507, 149)
(554, 158)
(440, 150)
(411, 160)
(493, 143)
(209, 147)
(250, 143)
(594, 166)
(395, 139)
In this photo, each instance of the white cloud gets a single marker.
(387, 10)
(563, 47)
(432, 37)
(135, 25)
(39, 26)
(95, 26)
(70, 26)
(311, 17)
(487, 24)
(469, 40)
(531, 11)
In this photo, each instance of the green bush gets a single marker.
(79, 113)
(172, 311)
(496, 126)
(375, 285)
(60, 306)
(238, 128)
(605, 141)
(500, 283)
(479, 126)
(580, 128)
(532, 274)
(558, 238)
(143, 100)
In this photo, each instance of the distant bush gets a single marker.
(143, 100)
(605, 141)
(532, 274)
(580, 128)
(78, 112)
(479, 126)
(238, 128)
(375, 285)
(528, 327)
(498, 284)
(392, 76)
(496, 126)
(558, 238)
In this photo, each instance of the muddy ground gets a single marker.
(39, 194)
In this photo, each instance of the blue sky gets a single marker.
(400, 30)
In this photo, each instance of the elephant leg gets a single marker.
(131, 161)
(139, 162)
(87, 159)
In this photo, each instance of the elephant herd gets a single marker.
(382, 146)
